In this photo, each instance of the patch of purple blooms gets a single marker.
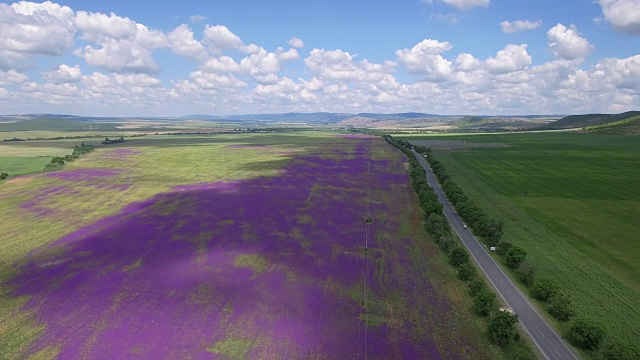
(161, 280)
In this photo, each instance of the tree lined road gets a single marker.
(545, 337)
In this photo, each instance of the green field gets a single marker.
(572, 200)
(148, 166)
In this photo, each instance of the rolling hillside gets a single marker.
(49, 124)
(630, 126)
(581, 121)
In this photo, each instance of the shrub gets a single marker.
(515, 256)
(544, 288)
(446, 244)
(476, 285)
(587, 333)
(523, 354)
(3, 176)
(503, 247)
(485, 302)
(466, 271)
(501, 329)
(458, 256)
(526, 273)
(561, 306)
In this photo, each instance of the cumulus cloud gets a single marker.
(445, 18)
(34, 29)
(221, 64)
(462, 4)
(339, 65)
(566, 43)
(467, 62)
(98, 26)
(624, 15)
(183, 43)
(233, 77)
(64, 74)
(211, 81)
(12, 77)
(512, 58)
(197, 18)
(220, 38)
(294, 42)
(511, 27)
(424, 58)
(122, 44)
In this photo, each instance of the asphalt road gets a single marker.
(545, 337)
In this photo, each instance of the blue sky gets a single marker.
(136, 58)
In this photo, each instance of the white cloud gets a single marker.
(64, 74)
(338, 65)
(210, 81)
(462, 4)
(30, 29)
(183, 43)
(512, 58)
(467, 62)
(220, 38)
(511, 27)
(243, 77)
(97, 26)
(197, 18)
(121, 49)
(624, 15)
(221, 64)
(296, 43)
(445, 18)
(12, 77)
(566, 43)
(424, 58)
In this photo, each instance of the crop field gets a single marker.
(304, 245)
(572, 201)
(47, 134)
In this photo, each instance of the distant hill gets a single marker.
(318, 117)
(501, 122)
(581, 121)
(54, 124)
(630, 126)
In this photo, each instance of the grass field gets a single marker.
(573, 202)
(228, 245)
(47, 134)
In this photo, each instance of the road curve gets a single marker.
(545, 337)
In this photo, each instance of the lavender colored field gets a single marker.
(267, 267)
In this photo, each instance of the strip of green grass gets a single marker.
(572, 201)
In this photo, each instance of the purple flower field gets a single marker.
(270, 267)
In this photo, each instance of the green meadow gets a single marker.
(572, 200)
(147, 166)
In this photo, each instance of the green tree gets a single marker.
(501, 328)
(587, 333)
(526, 273)
(515, 256)
(476, 285)
(485, 302)
(466, 271)
(503, 247)
(561, 306)
(544, 288)
(3, 176)
(523, 354)
(458, 256)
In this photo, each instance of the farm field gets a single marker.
(231, 246)
(572, 202)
